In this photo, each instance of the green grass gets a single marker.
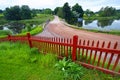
(19, 62)
(5, 32)
(39, 19)
(2, 19)
(34, 31)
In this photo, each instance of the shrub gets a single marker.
(70, 69)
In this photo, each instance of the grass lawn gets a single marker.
(19, 62)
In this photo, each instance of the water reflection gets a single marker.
(1, 27)
(88, 22)
(15, 27)
(80, 24)
(103, 23)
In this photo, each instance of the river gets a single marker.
(102, 25)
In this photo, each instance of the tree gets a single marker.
(17, 13)
(78, 9)
(56, 10)
(12, 13)
(1, 11)
(47, 11)
(107, 12)
(67, 13)
(60, 12)
(89, 12)
(25, 12)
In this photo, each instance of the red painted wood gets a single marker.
(99, 68)
(98, 63)
(87, 49)
(111, 57)
(66, 53)
(70, 47)
(9, 37)
(30, 42)
(59, 47)
(64, 47)
(91, 53)
(95, 53)
(83, 48)
(75, 40)
(79, 50)
(56, 46)
(104, 60)
(116, 62)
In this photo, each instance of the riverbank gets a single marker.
(101, 18)
(37, 21)
(113, 32)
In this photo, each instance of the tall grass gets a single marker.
(19, 62)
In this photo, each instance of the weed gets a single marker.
(71, 71)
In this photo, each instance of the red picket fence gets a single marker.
(90, 54)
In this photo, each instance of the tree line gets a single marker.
(18, 13)
(70, 14)
(23, 12)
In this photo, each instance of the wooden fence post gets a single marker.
(9, 37)
(30, 43)
(75, 41)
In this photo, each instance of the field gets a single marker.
(19, 62)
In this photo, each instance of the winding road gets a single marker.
(57, 28)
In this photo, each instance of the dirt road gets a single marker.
(56, 28)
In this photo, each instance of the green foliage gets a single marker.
(36, 30)
(28, 27)
(47, 11)
(2, 19)
(12, 13)
(71, 71)
(89, 13)
(107, 12)
(17, 13)
(78, 9)
(67, 13)
(56, 10)
(25, 12)
(1, 11)
(60, 12)
(70, 15)
(5, 32)
(17, 62)
(39, 19)
(34, 50)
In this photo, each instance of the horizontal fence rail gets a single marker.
(90, 54)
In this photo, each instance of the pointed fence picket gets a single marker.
(91, 54)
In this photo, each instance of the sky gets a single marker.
(93, 5)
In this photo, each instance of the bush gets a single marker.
(5, 32)
(71, 71)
